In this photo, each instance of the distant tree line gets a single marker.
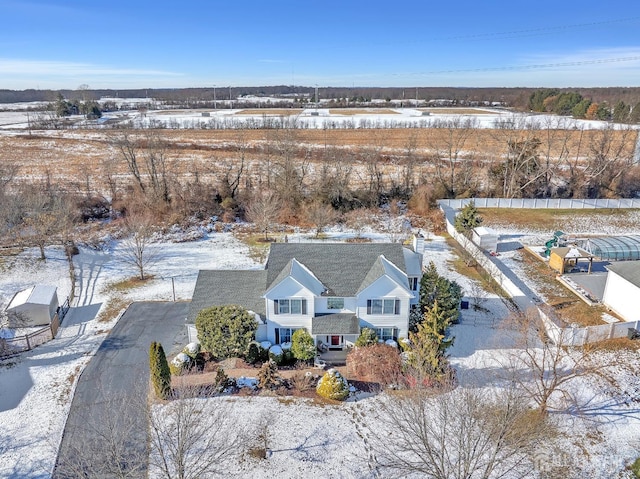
(574, 104)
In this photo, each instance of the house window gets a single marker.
(413, 284)
(386, 333)
(335, 303)
(283, 335)
(290, 306)
(383, 306)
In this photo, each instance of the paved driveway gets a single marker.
(106, 431)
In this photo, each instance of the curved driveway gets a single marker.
(107, 427)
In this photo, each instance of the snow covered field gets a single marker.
(306, 439)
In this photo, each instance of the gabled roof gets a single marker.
(628, 270)
(39, 294)
(220, 287)
(338, 323)
(302, 275)
(340, 267)
(383, 267)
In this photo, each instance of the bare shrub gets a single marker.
(378, 363)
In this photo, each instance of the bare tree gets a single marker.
(466, 433)
(191, 436)
(320, 215)
(546, 369)
(137, 247)
(263, 210)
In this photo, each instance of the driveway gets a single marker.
(106, 431)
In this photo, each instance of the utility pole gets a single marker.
(317, 99)
(214, 97)
(230, 100)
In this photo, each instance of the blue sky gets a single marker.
(140, 44)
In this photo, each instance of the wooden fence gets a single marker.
(13, 346)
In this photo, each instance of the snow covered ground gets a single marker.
(305, 438)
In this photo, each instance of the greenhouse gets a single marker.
(614, 248)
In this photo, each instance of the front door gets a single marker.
(336, 341)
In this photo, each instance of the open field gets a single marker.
(80, 154)
(362, 111)
(456, 111)
(270, 111)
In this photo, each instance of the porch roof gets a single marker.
(337, 323)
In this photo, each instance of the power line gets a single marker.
(525, 67)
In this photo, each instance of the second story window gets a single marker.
(383, 306)
(290, 306)
(413, 284)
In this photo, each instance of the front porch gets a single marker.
(334, 358)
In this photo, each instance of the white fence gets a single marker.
(559, 334)
(543, 203)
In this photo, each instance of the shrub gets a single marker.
(635, 468)
(379, 363)
(192, 350)
(268, 377)
(226, 331)
(367, 337)
(276, 354)
(179, 364)
(333, 386)
(254, 352)
(159, 370)
(302, 381)
(303, 347)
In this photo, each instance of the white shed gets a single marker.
(35, 306)
(623, 288)
(485, 238)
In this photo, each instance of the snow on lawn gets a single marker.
(36, 387)
(305, 438)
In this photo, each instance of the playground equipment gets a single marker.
(558, 240)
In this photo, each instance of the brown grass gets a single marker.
(455, 111)
(362, 111)
(270, 111)
(553, 219)
(111, 309)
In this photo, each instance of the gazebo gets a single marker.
(565, 259)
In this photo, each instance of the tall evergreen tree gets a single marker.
(438, 289)
(159, 369)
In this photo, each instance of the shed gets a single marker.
(565, 259)
(485, 238)
(35, 306)
(622, 289)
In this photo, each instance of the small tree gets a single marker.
(226, 331)
(435, 288)
(368, 337)
(263, 210)
(137, 248)
(160, 373)
(467, 219)
(333, 386)
(268, 377)
(302, 345)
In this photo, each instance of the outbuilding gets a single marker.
(622, 289)
(565, 259)
(485, 238)
(35, 306)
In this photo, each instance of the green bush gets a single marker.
(226, 331)
(276, 354)
(635, 468)
(367, 337)
(333, 386)
(159, 371)
(254, 352)
(181, 363)
(302, 346)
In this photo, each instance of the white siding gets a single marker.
(288, 289)
(620, 295)
(384, 288)
(350, 305)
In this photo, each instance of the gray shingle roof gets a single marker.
(341, 267)
(629, 270)
(338, 323)
(219, 287)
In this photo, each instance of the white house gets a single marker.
(622, 289)
(330, 289)
(35, 306)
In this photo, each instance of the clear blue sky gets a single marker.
(140, 44)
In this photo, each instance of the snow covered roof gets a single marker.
(39, 294)
(484, 231)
